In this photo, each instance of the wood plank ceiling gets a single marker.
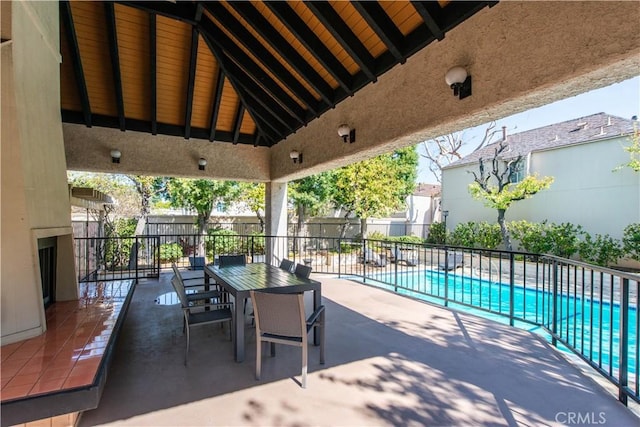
(236, 71)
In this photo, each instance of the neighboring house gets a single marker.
(581, 155)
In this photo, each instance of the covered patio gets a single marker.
(391, 360)
(157, 88)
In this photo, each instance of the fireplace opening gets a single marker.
(47, 256)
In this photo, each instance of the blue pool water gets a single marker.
(590, 326)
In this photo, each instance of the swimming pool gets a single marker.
(590, 326)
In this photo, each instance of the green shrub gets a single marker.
(406, 239)
(631, 241)
(437, 233)
(256, 243)
(169, 252)
(376, 235)
(530, 236)
(603, 250)
(117, 249)
(487, 236)
(222, 241)
(464, 235)
(563, 239)
(348, 247)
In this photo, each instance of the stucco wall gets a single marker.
(35, 199)
(88, 149)
(585, 191)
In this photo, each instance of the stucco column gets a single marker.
(276, 221)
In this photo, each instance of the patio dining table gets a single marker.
(239, 280)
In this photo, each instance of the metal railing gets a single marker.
(590, 310)
(116, 258)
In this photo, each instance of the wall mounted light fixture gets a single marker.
(296, 156)
(115, 156)
(202, 163)
(459, 81)
(346, 133)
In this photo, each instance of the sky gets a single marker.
(620, 99)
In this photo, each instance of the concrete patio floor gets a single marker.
(390, 361)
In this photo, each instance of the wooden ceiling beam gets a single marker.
(135, 125)
(456, 12)
(238, 123)
(215, 108)
(431, 14)
(243, 80)
(381, 23)
(250, 68)
(255, 110)
(312, 43)
(328, 16)
(253, 45)
(262, 26)
(193, 58)
(76, 59)
(184, 11)
(112, 36)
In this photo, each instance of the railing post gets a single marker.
(511, 287)
(135, 257)
(157, 251)
(623, 362)
(446, 277)
(395, 256)
(339, 257)
(554, 295)
(252, 249)
(364, 260)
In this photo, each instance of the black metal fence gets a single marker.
(593, 311)
(116, 258)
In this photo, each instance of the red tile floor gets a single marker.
(69, 353)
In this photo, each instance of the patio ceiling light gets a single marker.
(115, 156)
(202, 163)
(346, 133)
(296, 156)
(458, 79)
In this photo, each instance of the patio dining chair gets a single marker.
(303, 270)
(286, 264)
(280, 319)
(227, 260)
(197, 288)
(201, 314)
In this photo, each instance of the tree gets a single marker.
(310, 196)
(253, 196)
(446, 149)
(201, 195)
(634, 152)
(147, 187)
(497, 190)
(375, 187)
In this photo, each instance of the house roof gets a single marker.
(586, 129)
(234, 71)
(427, 190)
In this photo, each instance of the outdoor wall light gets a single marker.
(202, 163)
(346, 133)
(459, 81)
(296, 156)
(115, 156)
